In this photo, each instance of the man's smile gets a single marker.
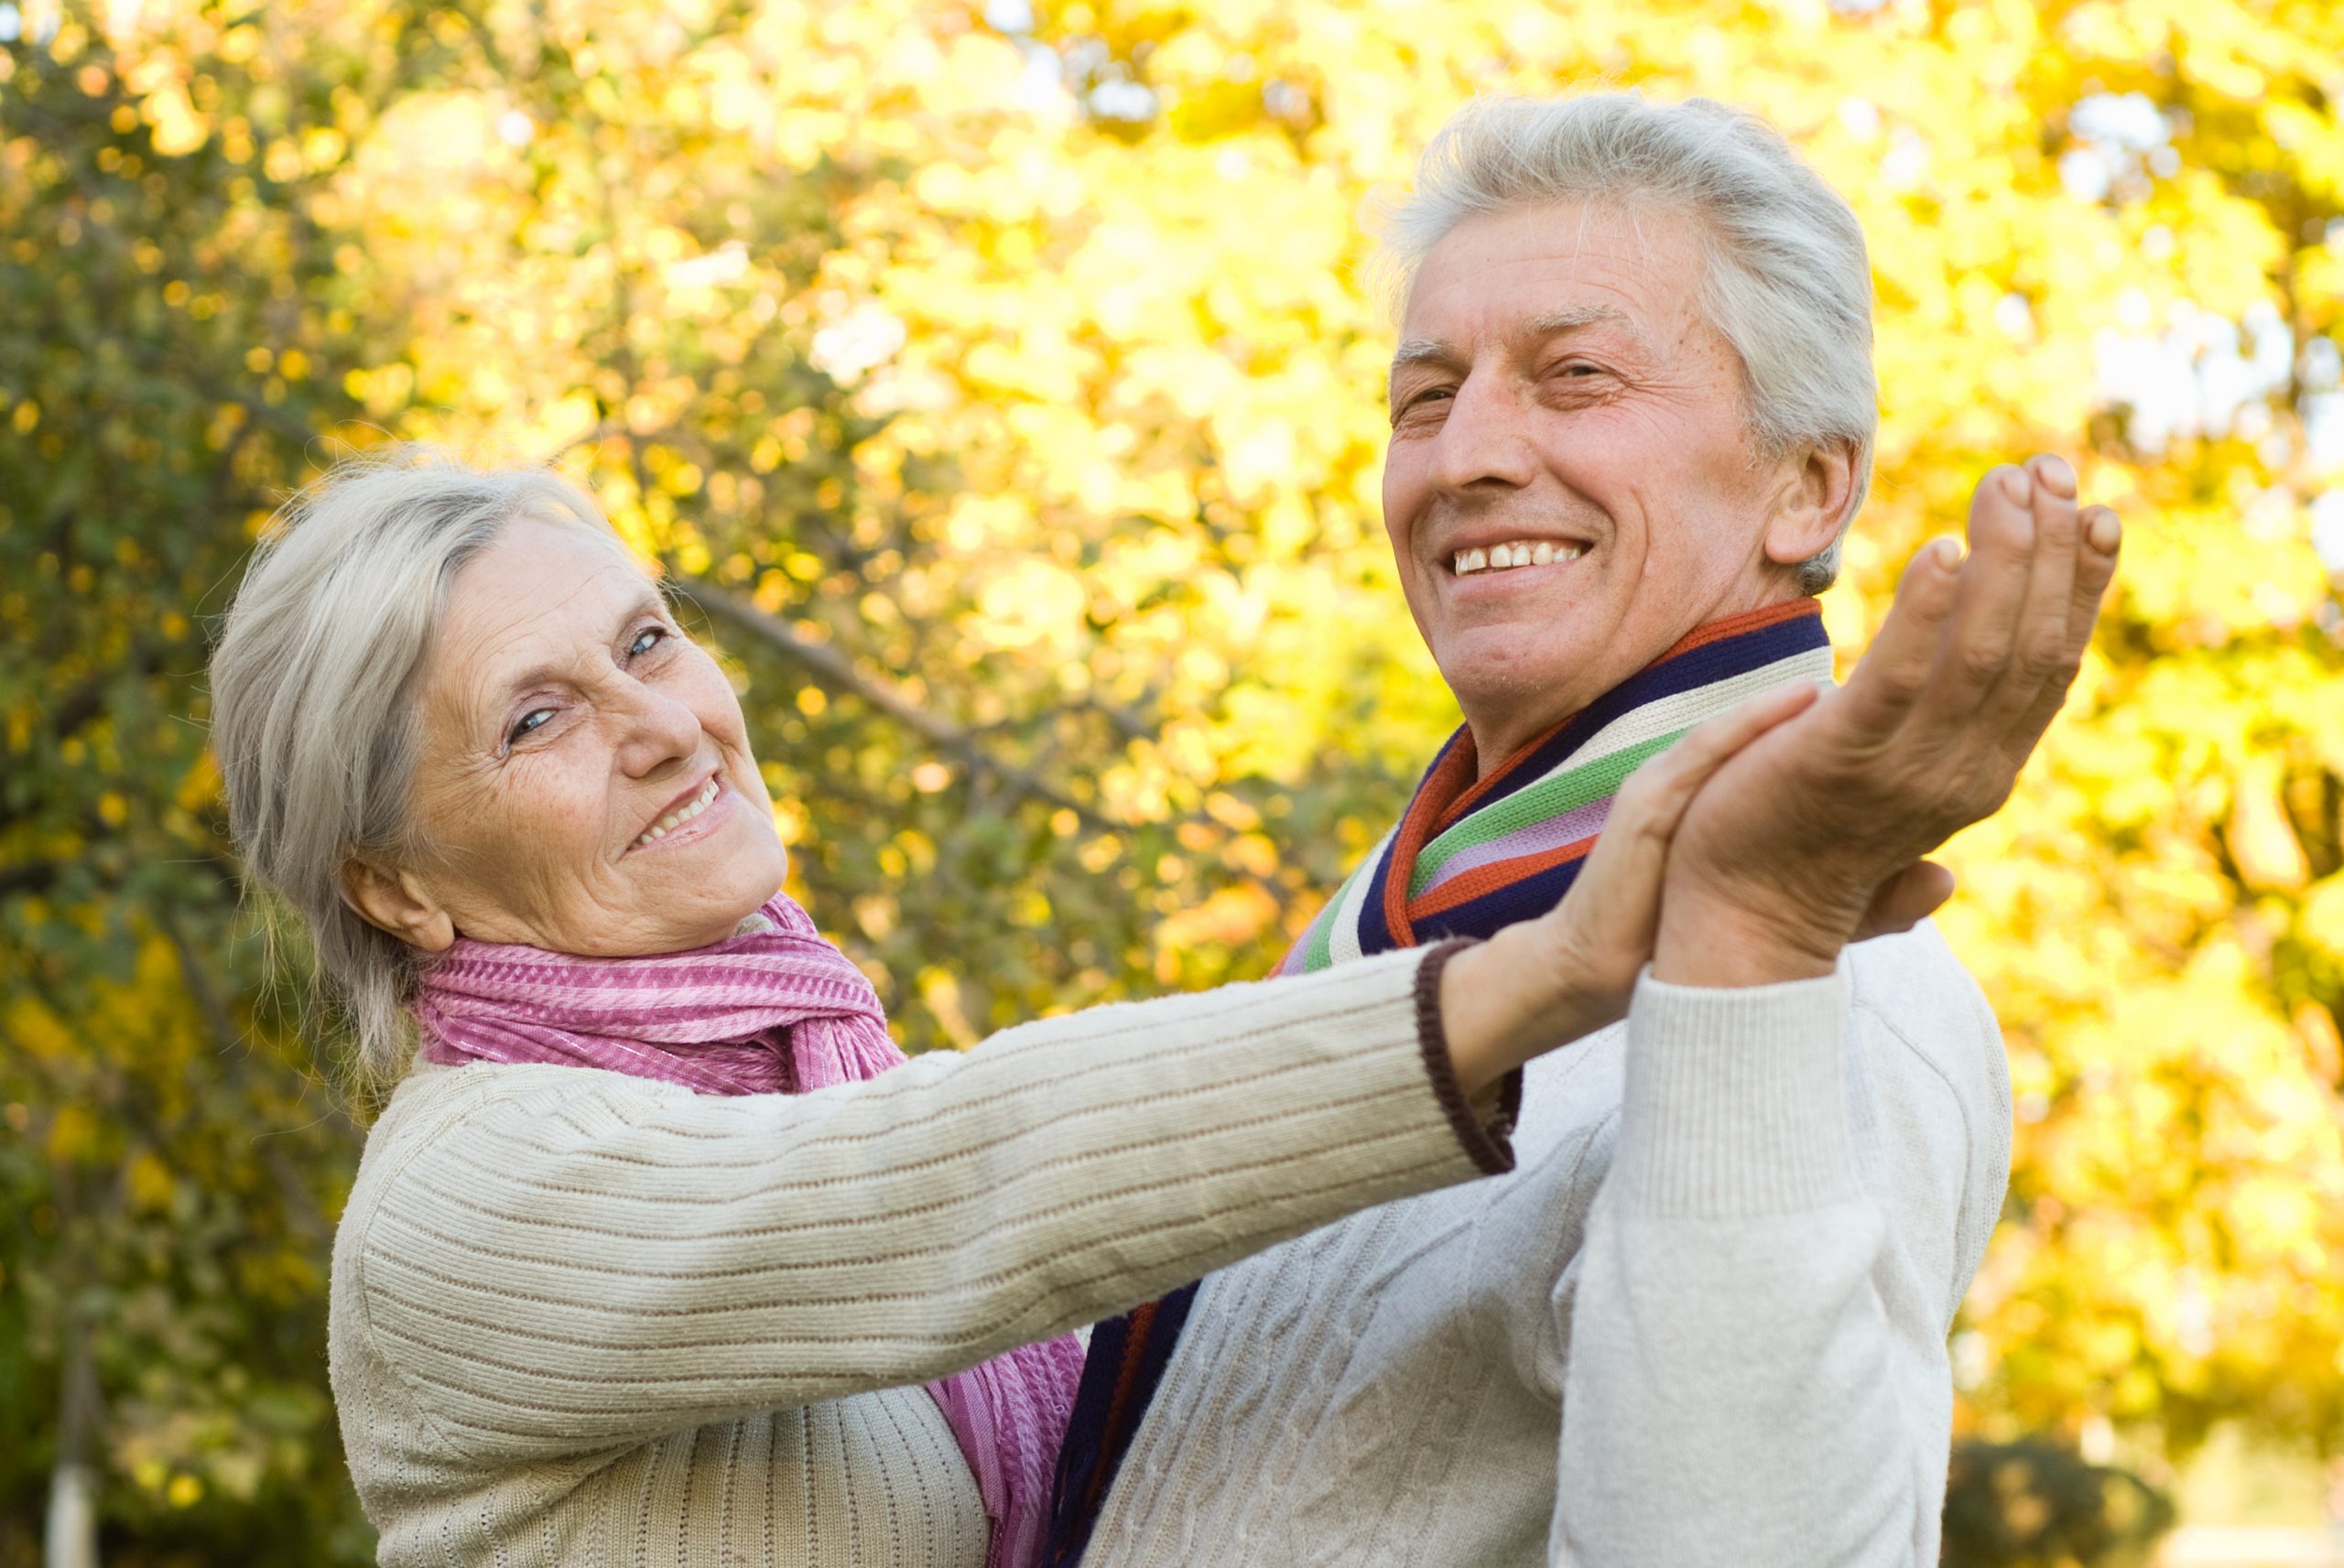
(1518, 553)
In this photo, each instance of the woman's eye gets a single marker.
(645, 640)
(536, 719)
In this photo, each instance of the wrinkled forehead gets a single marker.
(540, 599)
(1633, 268)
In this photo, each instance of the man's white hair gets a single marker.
(1787, 281)
(314, 702)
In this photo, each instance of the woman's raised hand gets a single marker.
(1545, 982)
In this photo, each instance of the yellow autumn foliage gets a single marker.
(1002, 381)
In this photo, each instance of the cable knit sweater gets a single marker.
(581, 1318)
(1702, 1323)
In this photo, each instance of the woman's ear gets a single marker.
(1817, 486)
(397, 903)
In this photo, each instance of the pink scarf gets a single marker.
(775, 1010)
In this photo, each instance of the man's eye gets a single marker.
(536, 719)
(645, 640)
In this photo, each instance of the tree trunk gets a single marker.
(71, 1540)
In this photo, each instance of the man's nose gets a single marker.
(1484, 442)
(655, 731)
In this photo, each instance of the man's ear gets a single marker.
(1818, 485)
(397, 902)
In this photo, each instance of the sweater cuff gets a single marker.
(1489, 1143)
(1736, 1100)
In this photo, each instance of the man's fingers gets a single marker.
(2051, 471)
(2101, 536)
(1893, 674)
(1993, 599)
(2044, 652)
(2102, 533)
(1905, 900)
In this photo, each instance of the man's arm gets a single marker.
(1757, 1371)
(1756, 1368)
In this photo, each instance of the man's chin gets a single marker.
(1520, 680)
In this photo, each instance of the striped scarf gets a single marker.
(1468, 857)
(773, 1010)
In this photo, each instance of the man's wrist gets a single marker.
(1718, 940)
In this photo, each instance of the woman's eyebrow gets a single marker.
(550, 670)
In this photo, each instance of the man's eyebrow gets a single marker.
(1556, 321)
(1426, 351)
(1435, 352)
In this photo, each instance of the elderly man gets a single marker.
(1703, 1320)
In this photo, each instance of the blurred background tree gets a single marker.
(1001, 386)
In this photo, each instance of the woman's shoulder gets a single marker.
(426, 1114)
(435, 1101)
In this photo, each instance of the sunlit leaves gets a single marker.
(1022, 360)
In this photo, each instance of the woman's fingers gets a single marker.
(1607, 918)
(1658, 793)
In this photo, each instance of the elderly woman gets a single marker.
(656, 1242)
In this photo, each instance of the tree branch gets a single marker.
(836, 672)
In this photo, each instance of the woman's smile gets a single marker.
(693, 817)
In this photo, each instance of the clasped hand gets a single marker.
(1767, 841)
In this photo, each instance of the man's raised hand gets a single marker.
(1813, 833)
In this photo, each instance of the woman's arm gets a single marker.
(551, 1260)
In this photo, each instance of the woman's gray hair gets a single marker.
(1789, 282)
(313, 712)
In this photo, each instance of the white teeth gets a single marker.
(1527, 553)
(683, 812)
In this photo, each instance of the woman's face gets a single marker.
(584, 783)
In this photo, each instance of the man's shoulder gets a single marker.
(1912, 997)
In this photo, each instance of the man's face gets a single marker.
(1558, 398)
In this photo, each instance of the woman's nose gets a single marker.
(656, 730)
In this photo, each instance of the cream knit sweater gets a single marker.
(581, 1318)
(1702, 1324)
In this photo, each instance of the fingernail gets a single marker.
(2054, 471)
(1947, 552)
(2014, 482)
(2106, 531)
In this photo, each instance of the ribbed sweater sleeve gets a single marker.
(551, 1260)
(1760, 1313)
